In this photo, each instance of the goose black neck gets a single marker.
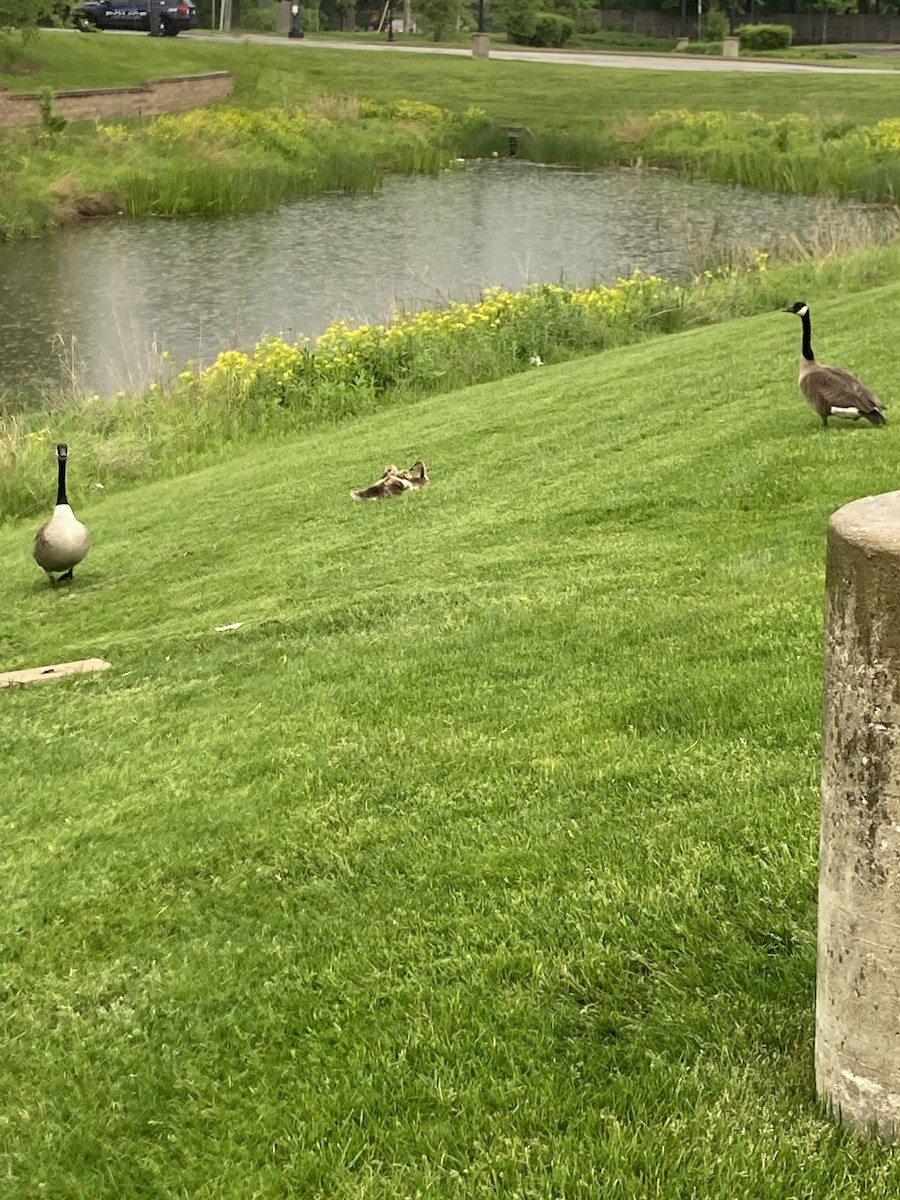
(61, 485)
(807, 337)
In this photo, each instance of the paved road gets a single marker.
(646, 62)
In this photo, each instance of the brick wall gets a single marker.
(176, 94)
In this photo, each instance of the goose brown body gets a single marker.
(832, 390)
(392, 483)
(63, 541)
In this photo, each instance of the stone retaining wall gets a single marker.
(175, 94)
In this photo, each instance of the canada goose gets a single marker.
(421, 479)
(830, 389)
(392, 483)
(63, 541)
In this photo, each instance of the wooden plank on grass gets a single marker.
(51, 674)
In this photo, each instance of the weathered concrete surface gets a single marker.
(858, 985)
(481, 45)
(178, 93)
(52, 674)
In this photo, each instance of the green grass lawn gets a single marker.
(481, 860)
(542, 96)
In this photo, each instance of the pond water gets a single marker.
(98, 304)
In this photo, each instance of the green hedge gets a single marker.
(765, 37)
(622, 39)
(528, 28)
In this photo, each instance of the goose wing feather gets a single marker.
(839, 389)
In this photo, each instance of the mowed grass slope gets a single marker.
(481, 860)
(547, 97)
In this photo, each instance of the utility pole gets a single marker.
(155, 21)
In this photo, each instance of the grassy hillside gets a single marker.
(481, 859)
(543, 96)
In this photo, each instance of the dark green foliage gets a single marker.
(702, 48)
(519, 20)
(529, 28)
(714, 25)
(765, 37)
(263, 20)
(622, 39)
(552, 29)
(51, 121)
(439, 16)
(24, 14)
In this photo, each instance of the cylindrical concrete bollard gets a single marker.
(858, 978)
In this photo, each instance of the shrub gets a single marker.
(765, 37)
(714, 26)
(626, 40)
(702, 48)
(551, 29)
(262, 19)
(527, 27)
(519, 21)
(50, 120)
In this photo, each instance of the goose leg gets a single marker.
(65, 578)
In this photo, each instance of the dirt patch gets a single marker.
(77, 209)
(24, 66)
(87, 207)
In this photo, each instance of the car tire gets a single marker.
(168, 29)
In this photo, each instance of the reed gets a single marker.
(223, 160)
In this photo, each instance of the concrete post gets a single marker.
(731, 47)
(858, 980)
(481, 45)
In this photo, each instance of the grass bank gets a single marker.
(231, 162)
(254, 153)
(481, 859)
(279, 388)
(213, 161)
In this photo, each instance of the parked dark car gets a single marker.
(175, 15)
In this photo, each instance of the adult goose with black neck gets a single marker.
(832, 390)
(63, 541)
